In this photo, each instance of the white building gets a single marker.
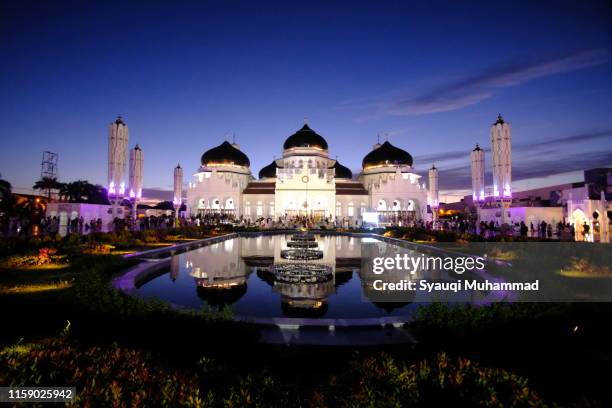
(306, 181)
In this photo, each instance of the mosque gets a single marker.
(305, 181)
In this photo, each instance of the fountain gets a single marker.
(299, 249)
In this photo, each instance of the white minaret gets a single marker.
(178, 188)
(433, 187)
(136, 163)
(118, 137)
(501, 150)
(477, 157)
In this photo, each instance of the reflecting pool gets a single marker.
(237, 272)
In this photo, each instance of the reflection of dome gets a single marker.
(221, 297)
(302, 309)
(305, 137)
(387, 154)
(390, 306)
(342, 172)
(268, 171)
(225, 153)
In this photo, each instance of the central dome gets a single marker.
(387, 154)
(225, 154)
(305, 137)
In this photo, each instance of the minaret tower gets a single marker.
(477, 157)
(433, 192)
(501, 150)
(178, 189)
(118, 137)
(136, 163)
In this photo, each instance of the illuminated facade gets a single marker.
(306, 181)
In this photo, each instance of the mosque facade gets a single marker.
(305, 181)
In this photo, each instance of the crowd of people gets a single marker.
(51, 225)
(562, 231)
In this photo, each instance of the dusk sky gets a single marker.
(433, 75)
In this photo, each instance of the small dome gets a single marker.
(387, 154)
(225, 153)
(305, 137)
(268, 171)
(342, 172)
(500, 120)
(119, 120)
(477, 148)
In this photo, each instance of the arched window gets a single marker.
(382, 205)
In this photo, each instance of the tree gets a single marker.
(47, 184)
(7, 204)
(82, 191)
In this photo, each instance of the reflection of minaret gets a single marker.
(175, 267)
(136, 163)
(477, 158)
(501, 150)
(178, 189)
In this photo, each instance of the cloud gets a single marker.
(460, 177)
(553, 145)
(479, 87)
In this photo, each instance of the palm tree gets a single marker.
(82, 191)
(48, 184)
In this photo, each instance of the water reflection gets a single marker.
(237, 272)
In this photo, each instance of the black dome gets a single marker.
(268, 171)
(342, 171)
(225, 153)
(387, 154)
(305, 137)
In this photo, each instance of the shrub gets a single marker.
(104, 377)
(442, 381)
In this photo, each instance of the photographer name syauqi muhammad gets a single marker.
(458, 265)
(424, 285)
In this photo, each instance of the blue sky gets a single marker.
(431, 75)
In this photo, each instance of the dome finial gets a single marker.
(378, 138)
(305, 120)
